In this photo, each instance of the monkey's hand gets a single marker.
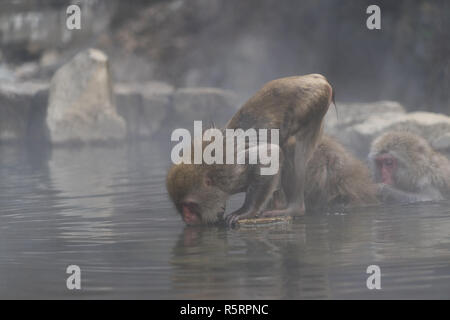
(389, 195)
(232, 218)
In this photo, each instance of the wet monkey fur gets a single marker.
(335, 179)
(294, 105)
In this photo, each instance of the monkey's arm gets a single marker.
(390, 195)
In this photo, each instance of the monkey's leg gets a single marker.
(294, 181)
(279, 199)
(258, 194)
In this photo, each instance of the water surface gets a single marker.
(107, 211)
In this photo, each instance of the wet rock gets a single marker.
(144, 106)
(358, 136)
(81, 107)
(211, 105)
(22, 111)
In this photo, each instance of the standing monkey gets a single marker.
(294, 105)
(408, 170)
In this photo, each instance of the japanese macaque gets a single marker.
(336, 179)
(407, 169)
(296, 107)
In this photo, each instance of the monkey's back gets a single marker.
(280, 103)
(335, 178)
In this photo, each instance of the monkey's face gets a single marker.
(195, 195)
(206, 205)
(386, 167)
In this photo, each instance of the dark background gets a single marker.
(239, 45)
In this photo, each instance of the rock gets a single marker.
(81, 107)
(6, 74)
(27, 70)
(211, 105)
(351, 125)
(22, 111)
(433, 127)
(354, 113)
(49, 58)
(151, 108)
(144, 106)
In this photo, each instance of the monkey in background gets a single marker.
(335, 179)
(407, 169)
(294, 105)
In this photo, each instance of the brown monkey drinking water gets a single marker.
(294, 105)
(408, 170)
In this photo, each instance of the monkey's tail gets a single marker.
(334, 103)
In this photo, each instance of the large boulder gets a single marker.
(81, 107)
(144, 106)
(211, 105)
(22, 111)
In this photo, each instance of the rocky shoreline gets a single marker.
(82, 106)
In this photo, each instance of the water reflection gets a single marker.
(106, 210)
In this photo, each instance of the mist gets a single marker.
(240, 45)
